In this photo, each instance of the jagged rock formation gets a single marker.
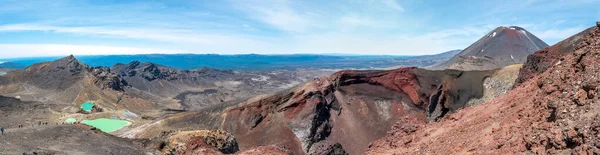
(556, 112)
(327, 148)
(200, 142)
(538, 62)
(349, 108)
(501, 47)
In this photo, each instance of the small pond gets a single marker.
(87, 106)
(106, 125)
(70, 120)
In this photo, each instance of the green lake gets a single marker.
(87, 106)
(106, 125)
(70, 120)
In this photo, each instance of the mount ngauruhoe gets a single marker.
(499, 48)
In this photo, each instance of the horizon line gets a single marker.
(275, 54)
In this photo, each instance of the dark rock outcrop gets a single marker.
(151, 72)
(327, 148)
(201, 142)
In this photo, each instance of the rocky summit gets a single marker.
(501, 47)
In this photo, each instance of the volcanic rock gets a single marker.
(261, 150)
(529, 119)
(59, 74)
(201, 141)
(544, 59)
(499, 48)
(349, 108)
(327, 148)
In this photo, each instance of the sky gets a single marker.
(388, 27)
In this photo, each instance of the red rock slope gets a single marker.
(345, 111)
(557, 112)
(541, 60)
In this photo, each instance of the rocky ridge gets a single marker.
(555, 112)
(322, 113)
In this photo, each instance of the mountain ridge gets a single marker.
(256, 62)
(553, 112)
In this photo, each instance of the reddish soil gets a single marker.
(262, 150)
(364, 104)
(340, 113)
(538, 62)
(198, 145)
(556, 113)
(402, 80)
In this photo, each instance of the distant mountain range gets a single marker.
(11, 65)
(251, 61)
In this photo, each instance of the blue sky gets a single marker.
(391, 27)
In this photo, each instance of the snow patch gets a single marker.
(513, 58)
(383, 108)
(523, 32)
(512, 28)
(289, 85)
(229, 83)
(261, 78)
(492, 35)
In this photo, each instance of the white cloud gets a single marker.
(351, 22)
(136, 33)
(269, 26)
(40, 50)
(393, 5)
(191, 42)
(556, 34)
(280, 14)
(428, 43)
